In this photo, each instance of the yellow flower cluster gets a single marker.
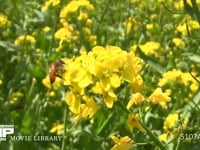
(178, 42)
(57, 128)
(131, 24)
(4, 22)
(73, 6)
(71, 15)
(178, 4)
(102, 70)
(170, 121)
(15, 97)
(192, 24)
(64, 34)
(172, 127)
(25, 40)
(151, 47)
(184, 78)
(49, 3)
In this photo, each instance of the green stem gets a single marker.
(178, 143)
(153, 137)
(104, 124)
(64, 134)
(31, 88)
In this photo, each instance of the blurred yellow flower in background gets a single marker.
(49, 3)
(163, 137)
(15, 97)
(192, 24)
(150, 47)
(57, 128)
(178, 42)
(123, 143)
(25, 40)
(178, 76)
(4, 22)
(73, 6)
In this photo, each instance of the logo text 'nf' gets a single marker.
(5, 130)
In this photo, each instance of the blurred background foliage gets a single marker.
(165, 34)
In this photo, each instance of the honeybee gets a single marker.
(56, 70)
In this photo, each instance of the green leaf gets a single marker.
(7, 45)
(193, 57)
(151, 61)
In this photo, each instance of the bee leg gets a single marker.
(59, 76)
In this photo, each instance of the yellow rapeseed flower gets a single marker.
(77, 75)
(46, 29)
(88, 109)
(180, 77)
(56, 85)
(51, 94)
(163, 137)
(150, 47)
(172, 75)
(64, 33)
(15, 97)
(49, 3)
(170, 121)
(73, 6)
(57, 128)
(123, 143)
(178, 42)
(133, 121)
(192, 24)
(136, 99)
(102, 70)
(25, 40)
(1, 82)
(82, 16)
(131, 24)
(4, 22)
(108, 95)
(160, 97)
(88, 22)
(137, 84)
(188, 80)
(131, 68)
(73, 100)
